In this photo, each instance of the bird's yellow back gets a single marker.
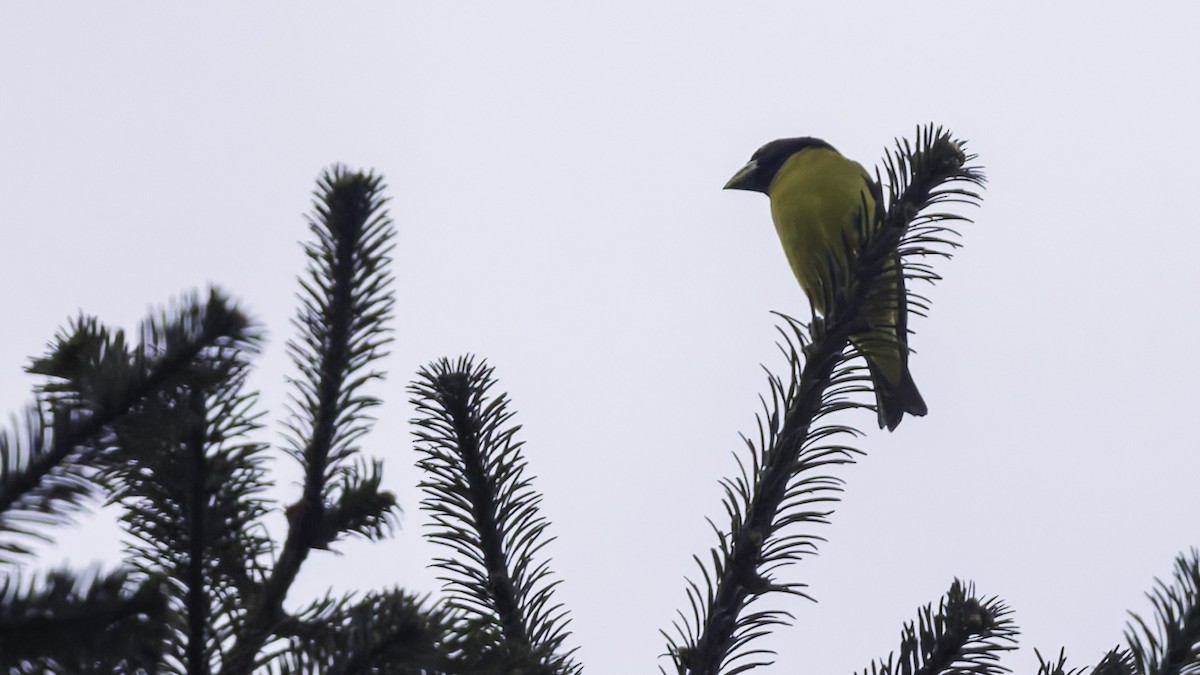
(816, 197)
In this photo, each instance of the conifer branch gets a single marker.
(190, 484)
(382, 632)
(345, 306)
(965, 636)
(1058, 667)
(485, 511)
(96, 380)
(787, 484)
(105, 623)
(1169, 644)
(1115, 662)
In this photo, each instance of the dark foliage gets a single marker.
(966, 634)
(96, 379)
(64, 622)
(1169, 644)
(485, 511)
(163, 429)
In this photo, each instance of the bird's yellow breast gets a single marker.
(816, 197)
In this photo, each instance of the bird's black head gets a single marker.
(766, 161)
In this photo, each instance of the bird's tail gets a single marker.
(893, 400)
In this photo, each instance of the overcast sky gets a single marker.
(555, 171)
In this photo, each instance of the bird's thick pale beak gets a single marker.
(744, 178)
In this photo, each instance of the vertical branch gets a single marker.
(486, 512)
(188, 481)
(345, 304)
(196, 596)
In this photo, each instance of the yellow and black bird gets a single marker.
(817, 201)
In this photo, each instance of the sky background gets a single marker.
(555, 174)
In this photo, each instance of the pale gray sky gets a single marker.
(555, 171)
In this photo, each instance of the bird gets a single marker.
(817, 200)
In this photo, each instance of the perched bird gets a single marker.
(817, 202)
